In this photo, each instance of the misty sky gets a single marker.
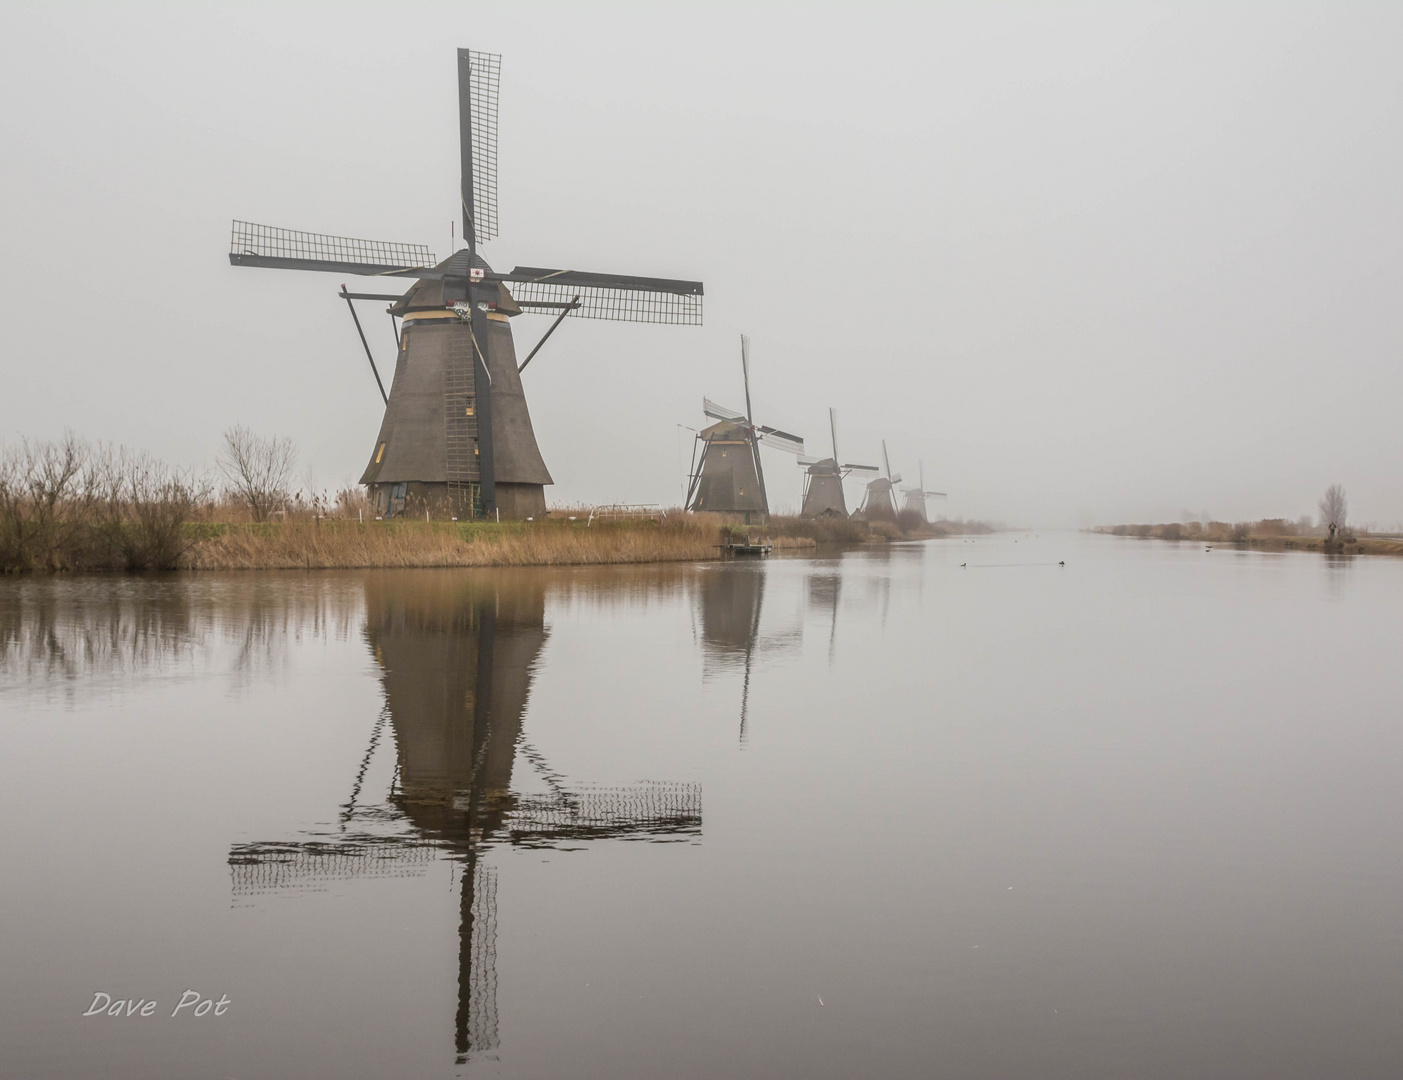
(1092, 263)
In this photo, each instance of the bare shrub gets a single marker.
(1240, 532)
(1334, 508)
(146, 507)
(1172, 531)
(258, 470)
(44, 490)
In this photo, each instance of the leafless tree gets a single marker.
(1333, 509)
(258, 470)
(44, 491)
(147, 507)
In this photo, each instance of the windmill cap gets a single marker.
(427, 293)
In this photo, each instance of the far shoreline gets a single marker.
(1267, 535)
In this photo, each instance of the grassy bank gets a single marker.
(320, 542)
(71, 505)
(1271, 534)
(330, 543)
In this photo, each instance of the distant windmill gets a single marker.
(823, 484)
(916, 497)
(879, 504)
(728, 477)
(456, 432)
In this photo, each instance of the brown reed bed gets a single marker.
(330, 543)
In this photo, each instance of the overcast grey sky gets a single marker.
(1090, 262)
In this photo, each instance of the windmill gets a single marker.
(823, 482)
(457, 662)
(456, 432)
(729, 477)
(879, 504)
(916, 497)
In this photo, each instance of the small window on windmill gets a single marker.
(404, 341)
(475, 451)
(468, 410)
(379, 453)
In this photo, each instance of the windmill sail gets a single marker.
(608, 296)
(721, 412)
(479, 79)
(780, 440)
(292, 249)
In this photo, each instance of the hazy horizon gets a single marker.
(1092, 263)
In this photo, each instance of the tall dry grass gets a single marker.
(69, 505)
(350, 544)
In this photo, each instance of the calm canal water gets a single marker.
(945, 809)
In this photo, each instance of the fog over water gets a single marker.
(1090, 263)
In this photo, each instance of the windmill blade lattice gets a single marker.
(721, 412)
(251, 244)
(605, 296)
(484, 79)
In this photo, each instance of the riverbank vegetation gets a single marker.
(70, 505)
(1268, 534)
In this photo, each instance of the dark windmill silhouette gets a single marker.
(823, 480)
(879, 504)
(457, 663)
(456, 433)
(916, 496)
(728, 477)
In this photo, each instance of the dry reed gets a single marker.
(350, 544)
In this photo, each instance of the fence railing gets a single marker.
(627, 512)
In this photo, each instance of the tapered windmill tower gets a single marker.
(456, 433)
(823, 480)
(727, 476)
(879, 504)
(916, 496)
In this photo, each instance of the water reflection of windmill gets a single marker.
(825, 589)
(731, 597)
(457, 659)
(823, 480)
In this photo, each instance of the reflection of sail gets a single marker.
(457, 654)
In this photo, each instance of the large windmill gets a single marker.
(879, 504)
(916, 496)
(456, 433)
(823, 480)
(729, 477)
